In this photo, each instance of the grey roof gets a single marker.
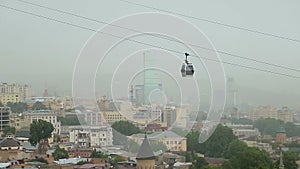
(9, 142)
(71, 160)
(23, 132)
(160, 134)
(165, 134)
(145, 151)
(28, 146)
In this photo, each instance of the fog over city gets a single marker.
(43, 53)
(136, 84)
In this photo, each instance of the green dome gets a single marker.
(280, 130)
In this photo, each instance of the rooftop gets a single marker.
(145, 151)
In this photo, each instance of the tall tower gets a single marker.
(145, 157)
(281, 165)
(231, 93)
(151, 79)
(281, 136)
(131, 94)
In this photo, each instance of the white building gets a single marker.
(91, 136)
(46, 115)
(93, 118)
(244, 131)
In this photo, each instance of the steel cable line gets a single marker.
(213, 22)
(143, 43)
(162, 37)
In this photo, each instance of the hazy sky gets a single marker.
(43, 53)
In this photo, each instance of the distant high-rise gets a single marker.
(231, 93)
(169, 115)
(139, 94)
(4, 117)
(45, 94)
(151, 79)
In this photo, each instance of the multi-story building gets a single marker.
(264, 112)
(113, 116)
(244, 131)
(10, 98)
(19, 121)
(139, 94)
(171, 140)
(93, 118)
(23, 91)
(4, 117)
(169, 115)
(152, 113)
(46, 115)
(80, 152)
(285, 115)
(91, 136)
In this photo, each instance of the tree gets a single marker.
(1, 104)
(291, 129)
(126, 128)
(19, 107)
(192, 141)
(218, 143)
(60, 153)
(98, 154)
(68, 121)
(40, 131)
(267, 126)
(251, 158)
(9, 130)
(234, 148)
(199, 163)
(39, 106)
(289, 160)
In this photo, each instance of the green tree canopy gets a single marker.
(60, 153)
(198, 163)
(192, 141)
(251, 158)
(19, 107)
(269, 126)
(218, 143)
(98, 154)
(234, 148)
(126, 128)
(68, 121)
(39, 106)
(289, 160)
(9, 130)
(40, 130)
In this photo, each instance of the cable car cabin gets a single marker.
(187, 70)
(183, 72)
